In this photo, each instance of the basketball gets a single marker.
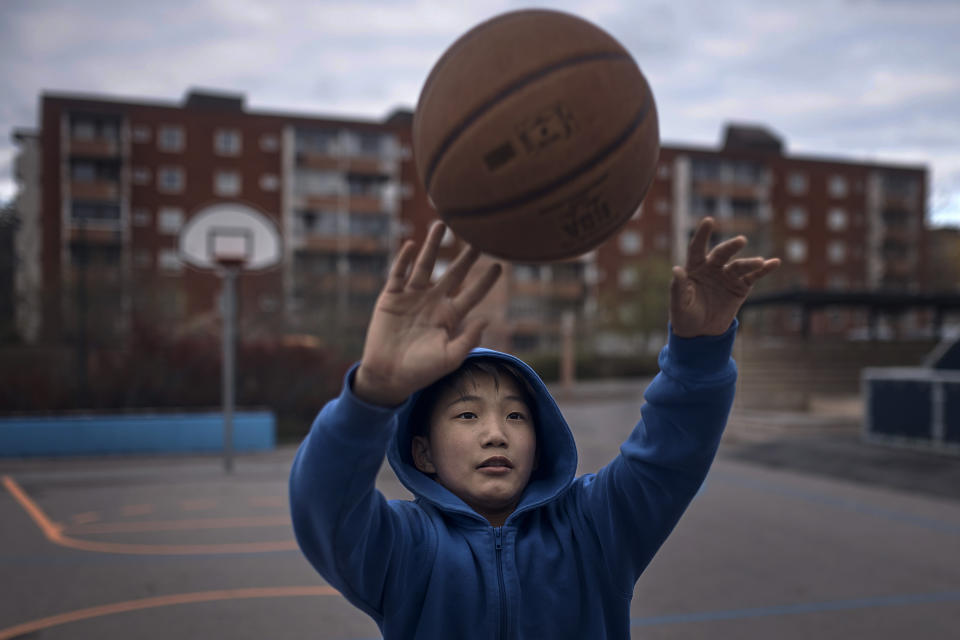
(536, 136)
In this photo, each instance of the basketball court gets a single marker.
(172, 546)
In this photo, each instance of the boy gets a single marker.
(502, 541)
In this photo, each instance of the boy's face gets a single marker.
(482, 445)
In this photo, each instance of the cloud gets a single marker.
(857, 79)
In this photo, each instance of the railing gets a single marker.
(912, 407)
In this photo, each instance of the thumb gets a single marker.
(678, 289)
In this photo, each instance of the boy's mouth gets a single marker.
(496, 462)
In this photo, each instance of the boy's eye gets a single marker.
(516, 415)
(467, 415)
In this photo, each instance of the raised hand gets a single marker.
(706, 295)
(421, 330)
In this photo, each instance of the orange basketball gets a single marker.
(536, 136)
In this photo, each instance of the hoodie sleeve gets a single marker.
(349, 532)
(634, 502)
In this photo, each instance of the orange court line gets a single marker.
(54, 533)
(161, 601)
(179, 525)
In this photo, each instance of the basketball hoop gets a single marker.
(229, 238)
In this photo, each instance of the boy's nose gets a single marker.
(493, 435)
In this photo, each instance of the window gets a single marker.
(796, 250)
(269, 142)
(796, 217)
(797, 183)
(169, 220)
(169, 261)
(141, 217)
(322, 141)
(631, 242)
(226, 183)
(141, 133)
(91, 127)
(663, 207)
(141, 175)
(83, 129)
(627, 277)
(171, 138)
(269, 182)
(837, 251)
(837, 219)
(227, 142)
(372, 225)
(837, 186)
(525, 272)
(663, 171)
(170, 179)
(82, 171)
(313, 182)
(319, 222)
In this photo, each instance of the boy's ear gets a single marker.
(420, 449)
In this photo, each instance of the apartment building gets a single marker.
(108, 184)
(838, 225)
(105, 186)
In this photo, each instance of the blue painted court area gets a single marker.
(147, 433)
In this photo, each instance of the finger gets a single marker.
(398, 272)
(697, 251)
(457, 272)
(477, 291)
(743, 266)
(420, 277)
(722, 253)
(769, 266)
(468, 338)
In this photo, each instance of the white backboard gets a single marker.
(230, 231)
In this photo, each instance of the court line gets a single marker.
(793, 609)
(54, 532)
(178, 525)
(162, 601)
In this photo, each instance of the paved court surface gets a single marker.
(791, 537)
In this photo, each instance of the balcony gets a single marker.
(715, 188)
(359, 165)
(341, 243)
(94, 147)
(95, 190)
(100, 235)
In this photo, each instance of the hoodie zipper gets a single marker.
(498, 538)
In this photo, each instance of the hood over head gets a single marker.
(557, 451)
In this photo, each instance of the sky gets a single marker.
(865, 80)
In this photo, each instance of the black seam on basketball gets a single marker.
(506, 91)
(539, 192)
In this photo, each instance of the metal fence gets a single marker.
(912, 407)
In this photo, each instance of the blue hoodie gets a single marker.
(565, 562)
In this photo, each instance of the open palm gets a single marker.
(421, 330)
(707, 293)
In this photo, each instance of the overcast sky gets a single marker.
(860, 79)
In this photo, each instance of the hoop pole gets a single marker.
(229, 304)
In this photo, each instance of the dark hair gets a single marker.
(423, 409)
